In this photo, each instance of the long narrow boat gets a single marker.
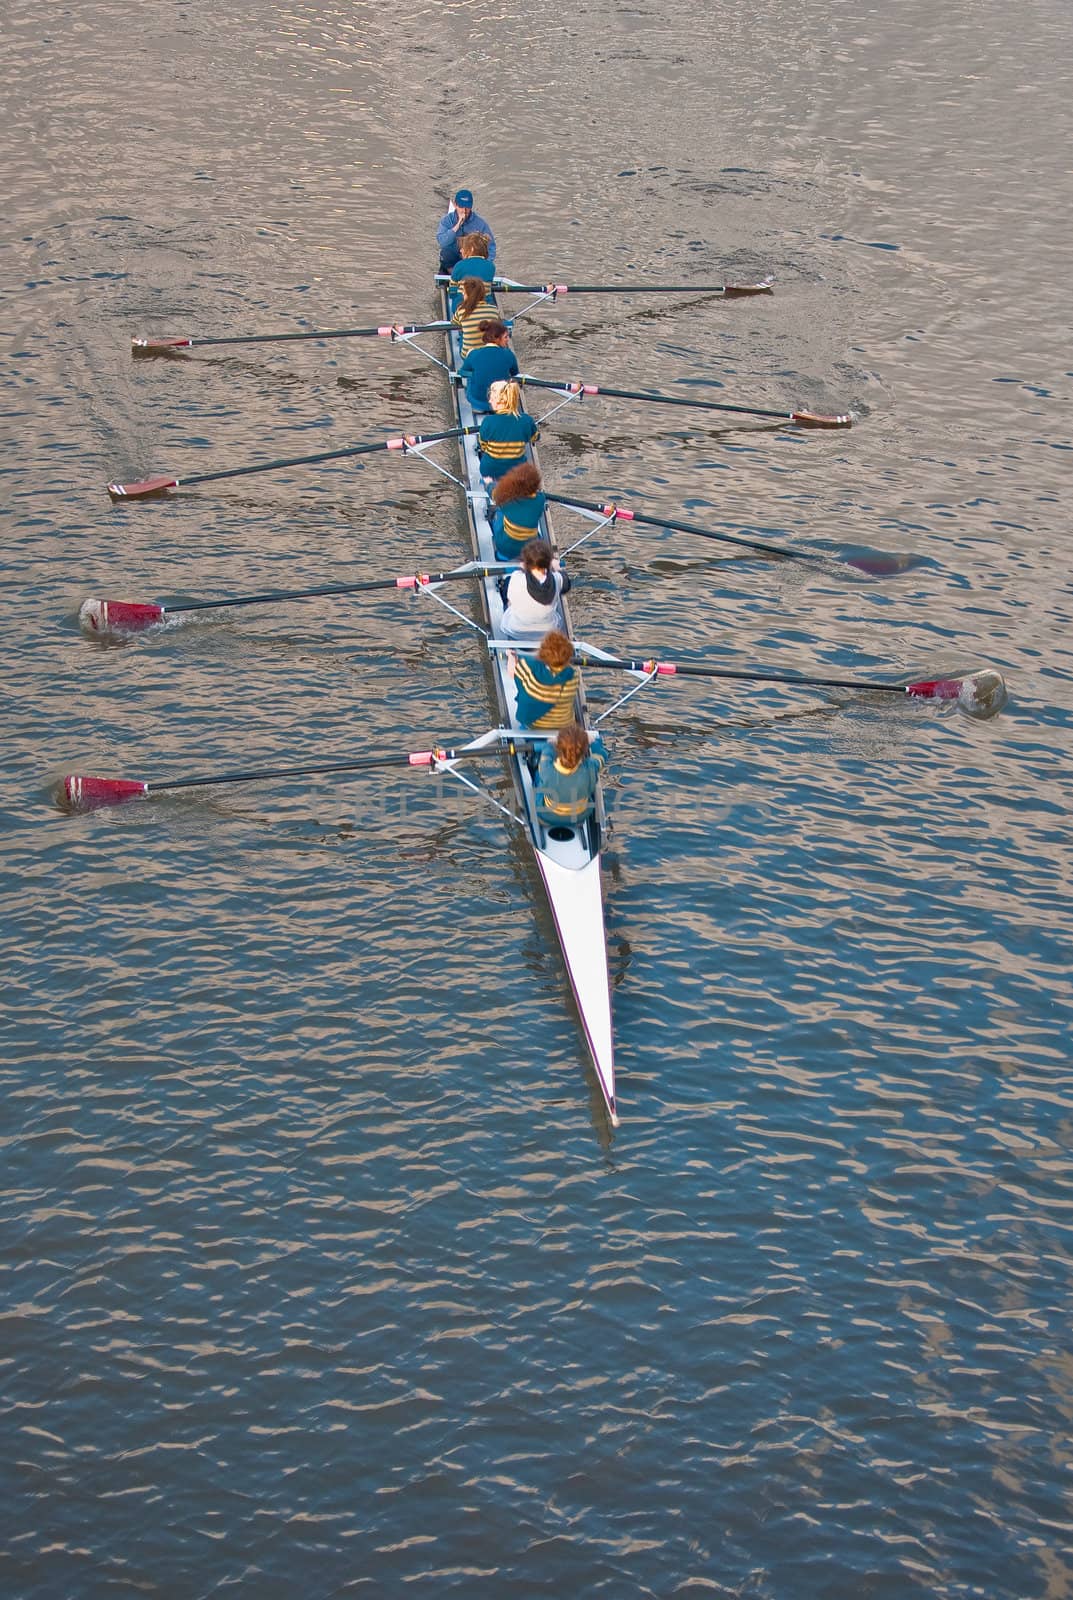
(568, 859)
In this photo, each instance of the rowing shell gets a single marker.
(568, 859)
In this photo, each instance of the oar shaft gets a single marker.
(386, 331)
(161, 485)
(687, 527)
(321, 455)
(728, 289)
(397, 758)
(83, 793)
(674, 669)
(414, 580)
(656, 399)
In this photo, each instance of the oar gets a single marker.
(728, 290)
(395, 330)
(79, 793)
(803, 419)
(983, 693)
(131, 616)
(150, 486)
(619, 513)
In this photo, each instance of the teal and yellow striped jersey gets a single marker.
(471, 325)
(545, 698)
(503, 441)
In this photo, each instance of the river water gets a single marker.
(322, 1271)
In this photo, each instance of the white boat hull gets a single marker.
(569, 865)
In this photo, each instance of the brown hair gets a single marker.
(508, 399)
(473, 292)
(474, 244)
(520, 483)
(493, 330)
(537, 553)
(555, 651)
(571, 746)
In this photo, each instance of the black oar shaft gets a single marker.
(395, 759)
(321, 455)
(691, 527)
(383, 332)
(659, 399)
(677, 670)
(327, 590)
(635, 288)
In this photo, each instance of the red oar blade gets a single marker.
(733, 291)
(140, 491)
(982, 694)
(158, 347)
(103, 617)
(86, 794)
(814, 419)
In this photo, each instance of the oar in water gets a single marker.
(982, 694)
(621, 514)
(727, 290)
(394, 330)
(132, 616)
(156, 486)
(877, 564)
(83, 793)
(803, 419)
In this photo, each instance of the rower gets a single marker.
(545, 684)
(567, 777)
(532, 597)
(474, 310)
(489, 363)
(518, 504)
(505, 435)
(475, 263)
(460, 220)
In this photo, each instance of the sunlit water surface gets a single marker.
(322, 1270)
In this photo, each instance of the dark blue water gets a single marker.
(322, 1271)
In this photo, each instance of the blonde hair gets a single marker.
(506, 397)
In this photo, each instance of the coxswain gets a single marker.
(474, 310)
(532, 597)
(460, 220)
(518, 503)
(507, 432)
(489, 363)
(475, 262)
(567, 776)
(545, 684)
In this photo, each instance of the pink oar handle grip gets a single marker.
(617, 511)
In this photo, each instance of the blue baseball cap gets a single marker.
(464, 197)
